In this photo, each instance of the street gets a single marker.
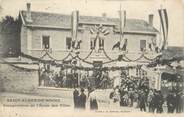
(29, 105)
(22, 105)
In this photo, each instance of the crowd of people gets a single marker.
(60, 79)
(132, 91)
(80, 99)
(137, 91)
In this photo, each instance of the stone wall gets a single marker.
(17, 80)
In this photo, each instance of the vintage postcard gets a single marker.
(73, 58)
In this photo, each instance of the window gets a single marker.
(150, 46)
(45, 42)
(97, 63)
(92, 43)
(125, 45)
(142, 45)
(68, 42)
(101, 43)
(77, 44)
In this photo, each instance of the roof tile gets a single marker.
(64, 21)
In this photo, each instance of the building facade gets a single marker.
(41, 30)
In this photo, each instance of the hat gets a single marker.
(82, 89)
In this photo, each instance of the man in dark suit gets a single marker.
(178, 102)
(171, 102)
(76, 98)
(82, 99)
(142, 100)
(161, 102)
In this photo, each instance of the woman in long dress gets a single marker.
(93, 100)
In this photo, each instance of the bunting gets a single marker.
(75, 20)
(94, 29)
(122, 27)
(122, 16)
(164, 27)
(105, 31)
(122, 43)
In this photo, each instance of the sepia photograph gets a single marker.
(108, 58)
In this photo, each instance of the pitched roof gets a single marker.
(64, 21)
(173, 51)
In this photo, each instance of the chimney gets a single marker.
(28, 12)
(104, 16)
(150, 18)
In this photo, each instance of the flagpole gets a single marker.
(122, 26)
(164, 26)
(161, 31)
(120, 13)
(160, 37)
(166, 43)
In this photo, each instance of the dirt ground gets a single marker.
(31, 105)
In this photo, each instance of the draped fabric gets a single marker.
(164, 27)
(122, 27)
(75, 20)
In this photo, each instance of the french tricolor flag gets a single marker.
(164, 26)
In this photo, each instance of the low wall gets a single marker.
(13, 79)
(21, 81)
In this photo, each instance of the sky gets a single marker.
(139, 9)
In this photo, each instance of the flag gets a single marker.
(92, 30)
(122, 26)
(124, 48)
(122, 21)
(116, 45)
(97, 42)
(164, 26)
(105, 31)
(75, 20)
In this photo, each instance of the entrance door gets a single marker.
(97, 73)
(97, 64)
(142, 45)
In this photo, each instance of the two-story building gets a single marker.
(41, 30)
(51, 31)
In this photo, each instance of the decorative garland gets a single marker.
(79, 67)
(107, 55)
(69, 54)
(46, 53)
(84, 60)
(43, 55)
(142, 55)
(149, 59)
(87, 68)
(34, 58)
(160, 61)
(110, 61)
(123, 58)
(88, 55)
